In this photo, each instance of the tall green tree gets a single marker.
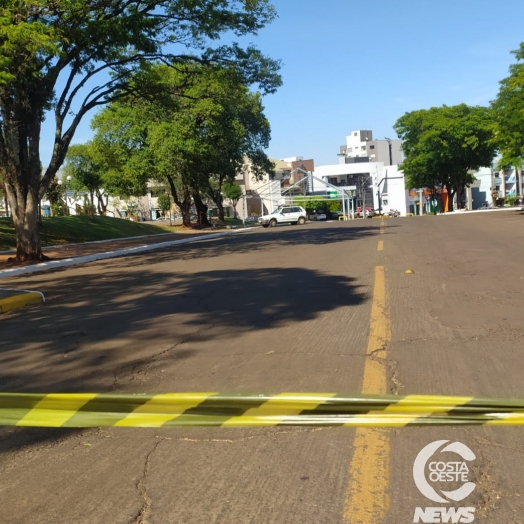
(195, 138)
(55, 195)
(442, 145)
(86, 173)
(63, 58)
(164, 203)
(508, 111)
(233, 192)
(224, 125)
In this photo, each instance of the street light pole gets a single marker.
(244, 209)
(60, 183)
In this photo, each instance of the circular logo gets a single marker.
(443, 471)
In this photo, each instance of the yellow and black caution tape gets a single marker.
(82, 410)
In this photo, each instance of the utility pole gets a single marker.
(363, 198)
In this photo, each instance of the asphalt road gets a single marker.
(324, 307)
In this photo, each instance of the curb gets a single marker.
(25, 298)
(45, 266)
(59, 246)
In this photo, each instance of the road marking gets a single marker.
(366, 498)
(380, 246)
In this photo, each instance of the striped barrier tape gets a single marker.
(82, 410)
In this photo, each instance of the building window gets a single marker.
(354, 134)
(363, 148)
(350, 149)
(371, 147)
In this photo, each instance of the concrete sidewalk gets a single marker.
(89, 252)
(15, 299)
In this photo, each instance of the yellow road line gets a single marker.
(367, 500)
(380, 246)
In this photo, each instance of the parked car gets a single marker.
(318, 215)
(284, 214)
(389, 213)
(369, 212)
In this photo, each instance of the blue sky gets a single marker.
(351, 65)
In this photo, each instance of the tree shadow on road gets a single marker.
(91, 337)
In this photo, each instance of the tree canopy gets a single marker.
(67, 57)
(508, 111)
(442, 145)
(85, 168)
(194, 139)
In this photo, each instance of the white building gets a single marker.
(361, 147)
(372, 184)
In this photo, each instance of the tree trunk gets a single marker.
(102, 206)
(185, 204)
(21, 171)
(201, 209)
(220, 207)
(217, 198)
(25, 220)
(92, 206)
(460, 192)
(234, 204)
(6, 203)
(518, 170)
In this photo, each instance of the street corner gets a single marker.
(18, 298)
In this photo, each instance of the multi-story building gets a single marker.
(361, 147)
(368, 170)
(489, 179)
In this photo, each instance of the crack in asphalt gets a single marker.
(148, 361)
(373, 355)
(142, 516)
(397, 385)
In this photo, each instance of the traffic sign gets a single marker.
(332, 194)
